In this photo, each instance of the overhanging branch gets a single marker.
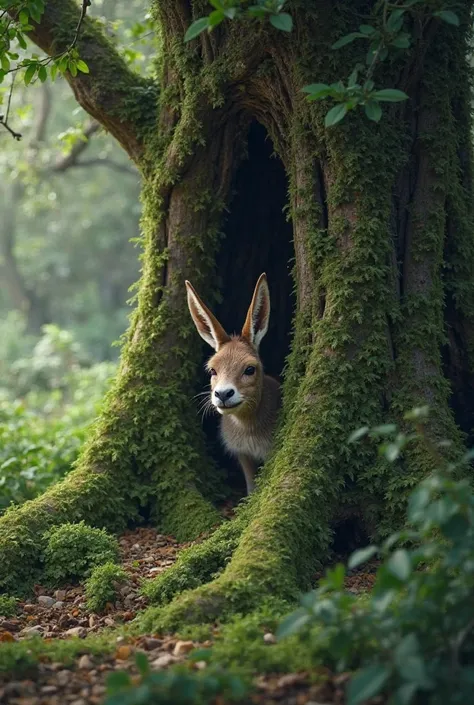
(120, 100)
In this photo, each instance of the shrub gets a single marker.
(103, 584)
(8, 606)
(414, 637)
(73, 550)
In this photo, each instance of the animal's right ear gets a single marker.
(206, 323)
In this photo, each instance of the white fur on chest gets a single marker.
(239, 439)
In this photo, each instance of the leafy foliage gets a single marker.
(72, 551)
(47, 403)
(414, 637)
(103, 584)
(8, 606)
(388, 37)
(172, 687)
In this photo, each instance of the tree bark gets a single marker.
(383, 257)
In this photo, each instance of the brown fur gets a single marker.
(247, 428)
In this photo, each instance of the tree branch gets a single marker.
(120, 100)
(110, 163)
(70, 159)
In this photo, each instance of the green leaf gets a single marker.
(358, 434)
(53, 72)
(142, 664)
(21, 40)
(395, 20)
(347, 39)
(42, 74)
(361, 556)
(367, 29)
(419, 412)
(282, 21)
(391, 450)
(404, 694)
(401, 42)
(30, 73)
(448, 16)
(409, 662)
(316, 89)
(335, 115)
(118, 681)
(373, 111)
(367, 684)
(196, 28)
(390, 95)
(293, 624)
(72, 67)
(384, 429)
(23, 17)
(216, 18)
(82, 66)
(5, 63)
(399, 564)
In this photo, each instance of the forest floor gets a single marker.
(67, 652)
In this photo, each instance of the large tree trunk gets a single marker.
(383, 253)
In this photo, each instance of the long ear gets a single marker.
(258, 316)
(206, 323)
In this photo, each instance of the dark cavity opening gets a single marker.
(258, 238)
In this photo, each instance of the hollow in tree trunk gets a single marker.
(379, 244)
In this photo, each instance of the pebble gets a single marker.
(85, 662)
(60, 595)
(163, 661)
(76, 631)
(149, 644)
(31, 631)
(46, 601)
(200, 665)
(63, 677)
(29, 608)
(58, 605)
(81, 701)
(183, 647)
(49, 689)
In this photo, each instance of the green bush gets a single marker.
(8, 606)
(413, 639)
(72, 551)
(41, 433)
(103, 584)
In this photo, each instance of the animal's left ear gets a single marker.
(258, 316)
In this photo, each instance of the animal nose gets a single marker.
(224, 394)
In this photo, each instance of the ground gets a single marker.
(56, 651)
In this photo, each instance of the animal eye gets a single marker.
(250, 370)
(212, 371)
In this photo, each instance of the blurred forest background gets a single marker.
(70, 212)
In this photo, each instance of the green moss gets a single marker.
(22, 658)
(8, 606)
(103, 584)
(72, 551)
(196, 565)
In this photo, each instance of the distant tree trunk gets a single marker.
(383, 241)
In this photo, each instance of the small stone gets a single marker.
(31, 631)
(80, 701)
(269, 638)
(60, 595)
(9, 626)
(109, 622)
(163, 662)
(98, 689)
(63, 677)
(126, 590)
(123, 653)
(149, 644)
(58, 605)
(183, 647)
(136, 546)
(92, 620)
(200, 665)
(120, 639)
(76, 631)
(46, 601)
(49, 689)
(85, 662)
(29, 608)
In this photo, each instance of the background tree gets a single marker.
(381, 229)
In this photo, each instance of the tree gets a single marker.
(381, 224)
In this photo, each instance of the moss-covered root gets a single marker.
(196, 565)
(98, 498)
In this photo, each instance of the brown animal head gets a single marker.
(236, 369)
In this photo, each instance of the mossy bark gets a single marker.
(383, 242)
